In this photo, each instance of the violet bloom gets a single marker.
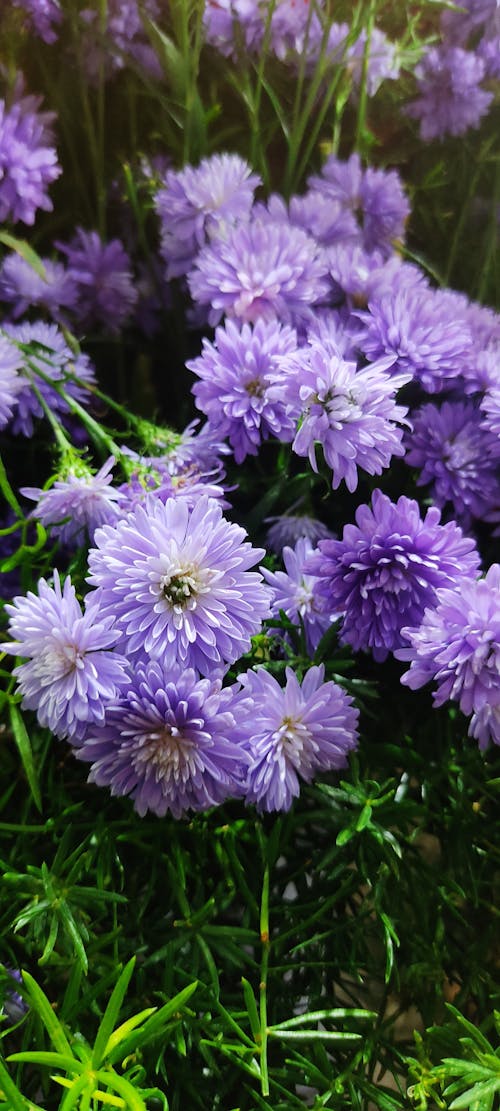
(450, 98)
(421, 329)
(102, 273)
(229, 23)
(292, 733)
(457, 24)
(296, 29)
(293, 592)
(457, 455)
(363, 275)
(11, 382)
(382, 61)
(124, 38)
(28, 160)
(326, 219)
(76, 504)
(23, 288)
(168, 742)
(71, 671)
(288, 529)
(261, 269)
(387, 569)
(236, 372)
(49, 360)
(198, 202)
(176, 582)
(42, 16)
(375, 197)
(457, 646)
(352, 414)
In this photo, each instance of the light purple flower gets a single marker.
(177, 584)
(11, 382)
(382, 61)
(376, 197)
(293, 592)
(28, 160)
(198, 202)
(102, 274)
(457, 646)
(261, 269)
(42, 16)
(287, 529)
(77, 503)
(457, 24)
(23, 288)
(236, 372)
(51, 357)
(352, 414)
(387, 569)
(450, 99)
(325, 219)
(369, 275)
(122, 40)
(292, 733)
(168, 742)
(229, 22)
(71, 671)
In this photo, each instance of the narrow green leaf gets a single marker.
(133, 1101)
(153, 1026)
(111, 1014)
(52, 1060)
(43, 1008)
(16, 1101)
(251, 1005)
(24, 748)
(319, 1016)
(126, 1028)
(313, 1035)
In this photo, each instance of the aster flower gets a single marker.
(53, 359)
(229, 22)
(382, 61)
(23, 288)
(364, 276)
(235, 372)
(261, 269)
(450, 99)
(292, 733)
(386, 570)
(421, 329)
(42, 16)
(11, 382)
(289, 528)
(168, 743)
(458, 25)
(70, 671)
(376, 197)
(293, 592)
(457, 456)
(296, 29)
(103, 278)
(197, 202)
(457, 646)
(176, 582)
(325, 219)
(351, 413)
(122, 39)
(28, 160)
(77, 503)
(155, 475)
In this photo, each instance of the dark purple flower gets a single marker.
(77, 503)
(168, 742)
(71, 671)
(460, 22)
(48, 361)
(450, 98)
(457, 645)
(102, 274)
(42, 16)
(12, 1005)
(28, 160)
(387, 569)
(23, 287)
(198, 202)
(291, 733)
(176, 582)
(293, 592)
(286, 530)
(11, 382)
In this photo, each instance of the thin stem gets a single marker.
(8, 492)
(264, 967)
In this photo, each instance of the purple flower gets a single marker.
(368, 275)
(351, 413)
(457, 456)
(122, 39)
(11, 382)
(293, 591)
(228, 21)
(291, 733)
(13, 1005)
(286, 530)
(49, 358)
(23, 288)
(457, 646)
(421, 329)
(264, 268)
(457, 25)
(43, 16)
(236, 372)
(376, 198)
(168, 742)
(28, 160)
(77, 503)
(198, 202)
(176, 582)
(70, 671)
(450, 99)
(381, 60)
(296, 29)
(387, 569)
(106, 295)
(325, 219)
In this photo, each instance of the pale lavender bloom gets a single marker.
(53, 359)
(11, 382)
(168, 742)
(154, 475)
(28, 160)
(23, 288)
(457, 645)
(236, 372)
(489, 50)
(352, 414)
(338, 331)
(387, 569)
(326, 219)
(382, 61)
(287, 530)
(457, 456)
(367, 275)
(42, 16)
(77, 503)
(376, 198)
(122, 39)
(293, 592)
(490, 407)
(262, 269)
(457, 25)
(199, 202)
(176, 582)
(101, 272)
(450, 98)
(296, 29)
(292, 733)
(228, 23)
(421, 328)
(71, 671)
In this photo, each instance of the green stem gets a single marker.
(8, 492)
(361, 131)
(264, 968)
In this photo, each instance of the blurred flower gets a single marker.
(293, 592)
(23, 288)
(287, 529)
(381, 60)
(228, 23)
(110, 42)
(11, 382)
(50, 355)
(28, 160)
(77, 503)
(42, 16)
(450, 99)
(102, 274)
(375, 197)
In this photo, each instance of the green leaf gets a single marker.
(126, 1028)
(52, 1060)
(153, 1026)
(251, 1005)
(41, 1005)
(24, 748)
(111, 1014)
(319, 1016)
(133, 1101)
(16, 1101)
(27, 253)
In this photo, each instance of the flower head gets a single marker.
(103, 278)
(11, 382)
(77, 503)
(375, 197)
(28, 160)
(23, 287)
(293, 592)
(450, 98)
(50, 360)
(42, 16)
(287, 529)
